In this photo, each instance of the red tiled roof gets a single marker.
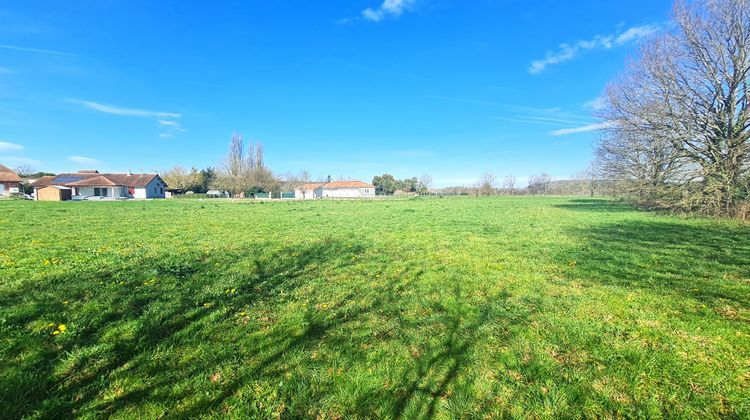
(43, 181)
(311, 185)
(347, 184)
(6, 175)
(89, 179)
(97, 181)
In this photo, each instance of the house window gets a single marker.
(161, 190)
(154, 190)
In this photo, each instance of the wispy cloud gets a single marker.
(165, 120)
(172, 125)
(583, 129)
(84, 160)
(9, 147)
(520, 114)
(388, 9)
(35, 50)
(567, 51)
(128, 112)
(527, 119)
(20, 160)
(595, 104)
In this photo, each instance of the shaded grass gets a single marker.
(514, 307)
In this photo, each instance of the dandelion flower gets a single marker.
(55, 332)
(62, 327)
(51, 324)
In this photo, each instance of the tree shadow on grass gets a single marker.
(444, 365)
(595, 205)
(122, 319)
(708, 262)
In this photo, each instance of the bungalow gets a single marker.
(10, 182)
(92, 184)
(334, 189)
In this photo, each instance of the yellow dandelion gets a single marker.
(55, 332)
(51, 324)
(65, 302)
(62, 327)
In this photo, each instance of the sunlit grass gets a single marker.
(439, 307)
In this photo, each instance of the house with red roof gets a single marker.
(334, 189)
(10, 182)
(94, 185)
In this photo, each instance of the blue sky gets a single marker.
(348, 88)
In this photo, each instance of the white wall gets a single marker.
(347, 192)
(308, 195)
(155, 189)
(112, 192)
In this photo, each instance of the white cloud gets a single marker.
(127, 112)
(166, 135)
(84, 160)
(567, 52)
(583, 129)
(20, 161)
(8, 147)
(596, 104)
(389, 8)
(34, 50)
(171, 125)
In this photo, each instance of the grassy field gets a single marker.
(445, 308)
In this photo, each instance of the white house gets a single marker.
(334, 189)
(102, 186)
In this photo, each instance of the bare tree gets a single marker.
(509, 183)
(243, 169)
(689, 88)
(234, 163)
(25, 170)
(425, 181)
(486, 185)
(540, 184)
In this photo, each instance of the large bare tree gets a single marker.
(686, 98)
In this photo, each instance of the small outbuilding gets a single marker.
(54, 193)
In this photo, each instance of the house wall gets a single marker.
(155, 189)
(113, 192)
(347, 192)
(308, 195)
(8, 188)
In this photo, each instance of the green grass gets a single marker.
(462, 307)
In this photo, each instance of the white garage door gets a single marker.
(2, 189)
